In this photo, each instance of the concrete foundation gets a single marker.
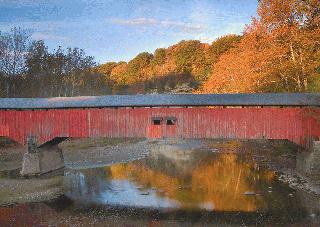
(42, 160)
(308, 163)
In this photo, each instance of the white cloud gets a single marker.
(39, 30)
(205, 38)
(183, 26)
(144, 22)
(47, 36)
(136, 21)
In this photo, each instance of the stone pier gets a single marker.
(39, 160)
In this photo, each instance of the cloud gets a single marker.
(183, 26)
(47, 36)
(39, 30)
(136, 21)
(205, 38)
(145, 22)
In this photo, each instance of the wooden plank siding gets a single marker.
(292, 123)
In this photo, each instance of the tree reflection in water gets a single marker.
(216, 181)
(184, 180)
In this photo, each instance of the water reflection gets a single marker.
(181, 179)
(173, 184)
(97, 186)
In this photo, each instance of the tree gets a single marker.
(158, 62)
(138, 67)
(185, 54)
(279, 51)
(292, 28)
(76, 66)
(37, 68)
(13, 47)
(235, 72)
(222, 45)
(29, 69)
(159, 56)
(37, 57)
(118, 73)
(61, 73)
(190, 57)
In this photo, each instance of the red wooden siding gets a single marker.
(295, 124)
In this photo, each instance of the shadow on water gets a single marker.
(182, 185)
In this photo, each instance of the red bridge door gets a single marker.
(170, 125)
(154, 129)
(162, 127)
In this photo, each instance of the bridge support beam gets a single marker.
(39, 160)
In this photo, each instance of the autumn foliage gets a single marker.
(279, 52)
(187, 59)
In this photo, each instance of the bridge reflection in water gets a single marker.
(198, 180)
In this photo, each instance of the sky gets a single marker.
(118, 30)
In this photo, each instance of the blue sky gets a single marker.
(114, 30)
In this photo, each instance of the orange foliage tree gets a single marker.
(279, 52)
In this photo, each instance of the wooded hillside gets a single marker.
(186, 63)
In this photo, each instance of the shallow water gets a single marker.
(181, 187)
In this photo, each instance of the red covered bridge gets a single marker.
(245, 116)
(45, 122)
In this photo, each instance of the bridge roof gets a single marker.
(258, 99)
